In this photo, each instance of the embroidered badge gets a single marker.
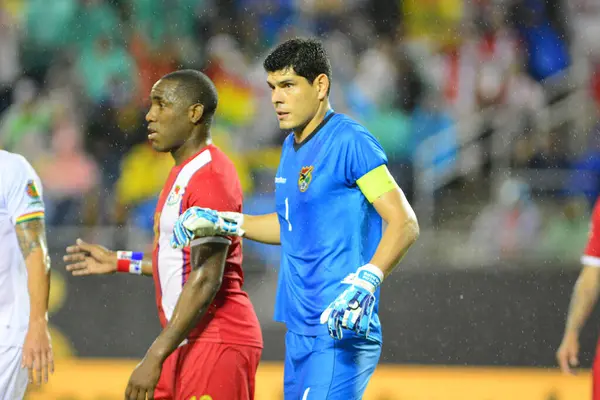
(305, 178)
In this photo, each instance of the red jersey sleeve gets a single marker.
(591, 255)
(215, 189)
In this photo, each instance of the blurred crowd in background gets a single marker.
(75, 76)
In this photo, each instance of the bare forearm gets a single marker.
(38, 284)
(583, 300)
(32, 241)
(262, 228)
(147, 266)
(398, 237)
(195, 298)
(208, 264)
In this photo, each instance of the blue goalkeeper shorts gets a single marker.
(321, 368)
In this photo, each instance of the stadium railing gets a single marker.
(474, 143)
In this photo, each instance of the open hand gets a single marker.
(90, 259)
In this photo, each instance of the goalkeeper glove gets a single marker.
(353, 308)
(202, 222)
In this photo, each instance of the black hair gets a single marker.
(307, 57)
(195, 87)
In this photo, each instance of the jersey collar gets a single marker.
(209, 144)
(328, 115)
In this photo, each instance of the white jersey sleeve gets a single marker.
(21, 189)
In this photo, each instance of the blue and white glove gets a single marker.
(203, 222)
(353, 308)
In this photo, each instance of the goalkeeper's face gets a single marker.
(168, 125)
(295, 99)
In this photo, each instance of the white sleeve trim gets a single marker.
(590, 260)
(210, 239)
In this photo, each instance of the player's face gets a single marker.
(168, 125)
(296, 100)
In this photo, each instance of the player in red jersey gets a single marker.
(583, 300)
(211, 341)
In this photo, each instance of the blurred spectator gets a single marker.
(547, 53)
(48, 31)
(377, 61)
(433, 21)
(585, 176)
(106, 142)
(69, 175)
(24, 126)
(228, 68)
(96, 20)
(549, 154)
(564, 234)
(507, 227)
(143, 174)
(409, 84)
(392, 127)
(152, 62)
(9, 56)
(476, 73)
(107, 71)
(431, 123)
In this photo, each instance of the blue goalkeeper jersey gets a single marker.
(328, 227)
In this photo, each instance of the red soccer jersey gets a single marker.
(207, 179)
(591, 255)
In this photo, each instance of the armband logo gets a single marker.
(305, 178)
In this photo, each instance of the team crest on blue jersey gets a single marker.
(175, 195)
(305, 178)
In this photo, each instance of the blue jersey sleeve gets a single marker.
(361, 153)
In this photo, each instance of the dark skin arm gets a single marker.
(37, 348)
(208, 264)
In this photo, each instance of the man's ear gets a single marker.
(195, 113)
(322, 83)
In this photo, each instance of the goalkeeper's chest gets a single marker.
(311, 186)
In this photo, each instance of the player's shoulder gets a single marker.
(16, 171)
(15, 166)
(220, 162)
(216, 184)
(348, 129)
(13, 162)
(219, 165)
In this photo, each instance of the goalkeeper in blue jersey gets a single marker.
(333, 191)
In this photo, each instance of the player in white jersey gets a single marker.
(24, 279)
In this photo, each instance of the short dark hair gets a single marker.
(195, 88)
(307, 57)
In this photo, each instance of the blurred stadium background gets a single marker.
(488, 113)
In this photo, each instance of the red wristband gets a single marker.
(123, 265)
(129, 262)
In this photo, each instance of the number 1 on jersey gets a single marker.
(287, 214)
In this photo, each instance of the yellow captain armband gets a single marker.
(376, 182)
